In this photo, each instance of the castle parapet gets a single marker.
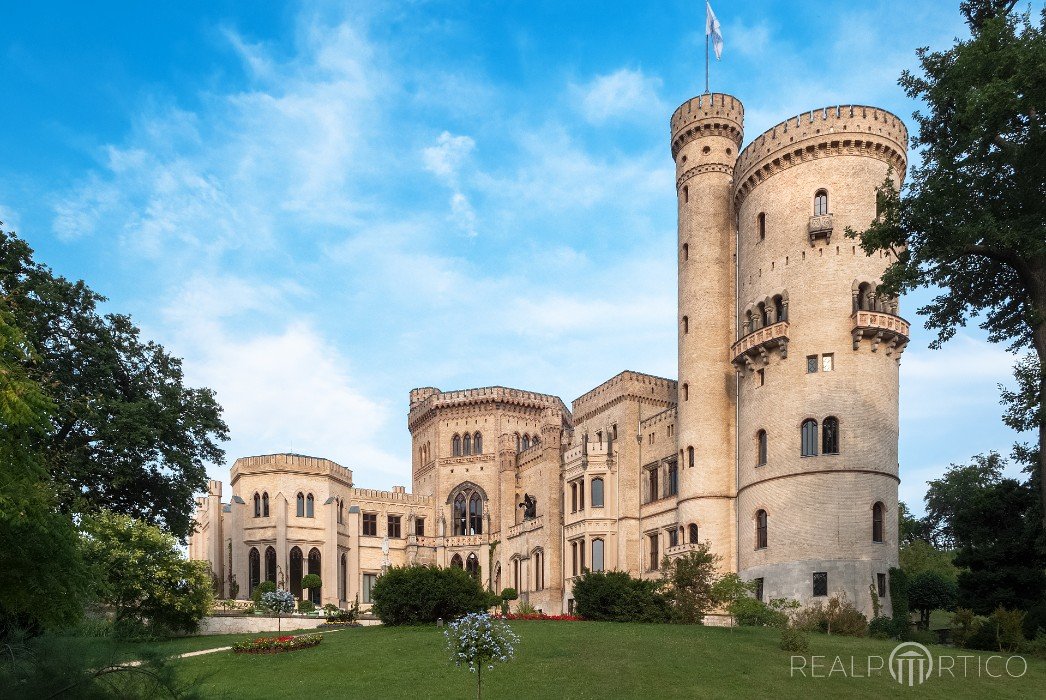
(711, 114)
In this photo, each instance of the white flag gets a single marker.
(713, 30)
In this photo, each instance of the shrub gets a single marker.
(525, 608)
(310, 581)
(794, 640)
(509, 594)
(306, 606)
(749, 612)
(899, 599)
(881, 627)
(475, 641)
(415, 595)
(1000, 631)
(261, 589)
(838, 616)
(688, 582)
(964, 626)
(617, 597)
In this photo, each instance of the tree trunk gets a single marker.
(1039, 340)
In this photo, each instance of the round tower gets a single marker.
(706, 136)
(817, 352)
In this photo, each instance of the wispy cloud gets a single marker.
(625, 94)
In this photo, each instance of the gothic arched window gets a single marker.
(830, 436)
(526, 441)
(314, 568)
(460, 516)
(761, 526)
(475, 515)
(310, 506)
(477, 444)
(466, 445)
(472, 565)
(265, 504)
(809, 438)
(257, 505)
(270, 564)
(456, 562)
(762, 445)
(692, 533)
(455, 446)
(821, 202)
(254, 575)
(780, 310)
(301, 505)
(296, 572)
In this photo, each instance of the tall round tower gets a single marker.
(706, 136)
(817, 352)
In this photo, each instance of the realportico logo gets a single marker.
(911, 661)
(910, 664)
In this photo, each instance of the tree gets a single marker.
(910, 528)
(42, 575)
(125, 434)
(141, 574)
(919, 557)
(278, 602)
(688, 582)
(929, 591)
(972, 218)
(946, 496)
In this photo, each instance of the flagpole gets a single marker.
(706, 63)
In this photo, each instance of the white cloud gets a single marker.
(445, 160)
(624, 94)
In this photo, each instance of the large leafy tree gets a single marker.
(972, 218)
(125, 434)
(42, 575)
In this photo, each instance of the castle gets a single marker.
(777, 444)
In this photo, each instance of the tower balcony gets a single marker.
(820, 227)
(760, 343)
(881, 327)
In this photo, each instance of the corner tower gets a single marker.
(817, 354)
(706, 136)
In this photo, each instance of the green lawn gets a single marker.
(581, 659)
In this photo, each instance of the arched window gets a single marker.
(455, 445)
(456, 562)
(466, 445)
(296, 572)
(809, 430)
(310, 506)
(475, 515)
(270, 564)
(477, 444)
(686, 324)
(341, 512)
(472, 565)
(864, 297)
(265, 504)
(254, 564)
(301, 505)
(780, 309)
(597, 493)
(686, 251)
(761, 222)
(342, 578)
(526, 441)
(764, 315)
(830, 436)
(686, 193)
(597, 554)
(821, 202)
(760, 529)
(519, 443)
(686, 392)
(877, 522)
(257, 505)
(539, 569)
(748, 327)
(314, 568)
(692, 533)
(535, 440)
(460, 516)
(690, 456)
(761, 440)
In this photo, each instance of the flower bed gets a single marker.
(542, 616)
(277, 645)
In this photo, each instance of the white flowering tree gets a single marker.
(476, 640)
(279, 602)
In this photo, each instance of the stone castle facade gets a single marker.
(777, 444)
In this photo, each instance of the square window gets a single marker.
(811, 364)
(419, 527)
(394, 526)
(827, 362)
(370, 524)
(368, 585)
(820, 583)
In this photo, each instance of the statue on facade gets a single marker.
(529, 506)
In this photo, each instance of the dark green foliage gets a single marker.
(416, 595)
(310, 581)
(125, 434)
(964, 624)
(929, 591)
(262, 588)
(971, 220)
(688, 581)
(749, 612)
(899, 600)
(306, 606)
(1001, 631)
(617, 597)
(140, 573)
(794, 640)
(509, 594)
(881, 628)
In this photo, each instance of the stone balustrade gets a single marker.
(820, 227)
(880, 327)
(526, 526)
(760, 342)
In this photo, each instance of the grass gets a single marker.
(582, 660)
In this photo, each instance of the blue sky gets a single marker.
(322, 205)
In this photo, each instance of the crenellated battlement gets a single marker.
(714, 114)
(424, 401)
(627, 383)
(828, 131)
